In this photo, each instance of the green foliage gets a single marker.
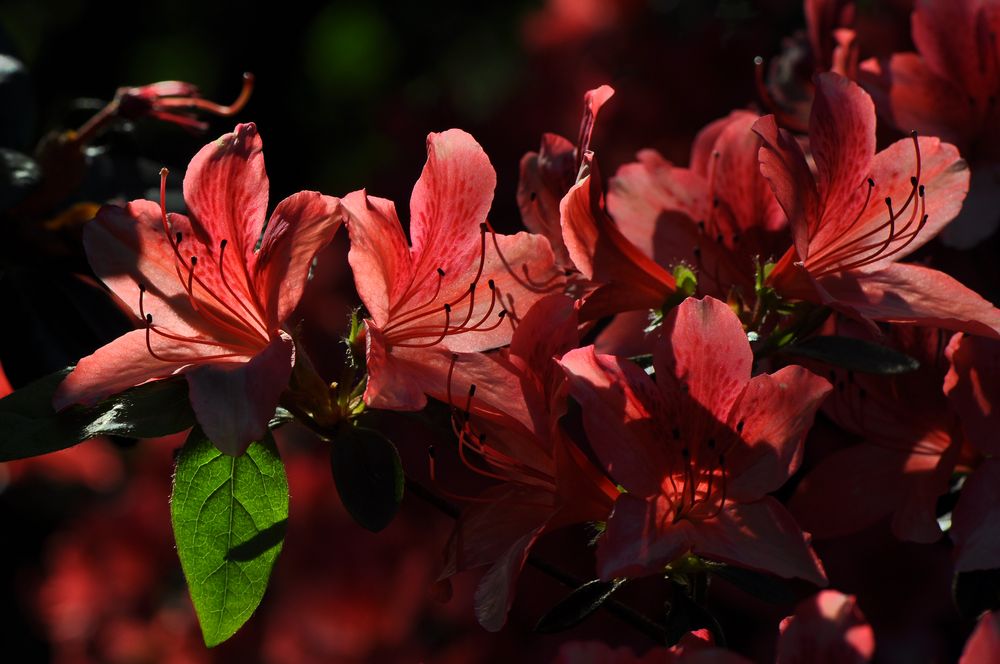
(229, 516)
(853, 354)
(30, 426)
(577, 606)
(368, 474)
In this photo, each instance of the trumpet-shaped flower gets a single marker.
(211, 290)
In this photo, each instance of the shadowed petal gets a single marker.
(233, 402)
(973, 386)
(983, 647)
(827, 628)
(904, 293)
(761, 536)
(640, 538)
(773, 415)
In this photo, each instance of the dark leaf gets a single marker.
(685, 615)
(368, 474)
(229, 516)
(765, 587)
(577, 606)
(19, 174)
(853, 354)
(31, 426)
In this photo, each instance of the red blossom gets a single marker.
(861, 212)
(460, 287)
(212, 289)
(698, 450)
(827, 628)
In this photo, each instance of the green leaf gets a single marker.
(229, 516)
(577, 606)
(30, 426)
(369, 476)
(853, 354)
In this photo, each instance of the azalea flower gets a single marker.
(718, 215)
(546, 482)
(826, 628)
(973, 387)
(460, 287)
(949, 88)
(908, 450)
(698, 451)
(861, 212)
(548, 174)
(623, 278)
(212, 289)
(983, 646)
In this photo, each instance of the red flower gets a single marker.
(548, 174)
(973, 387)
(698, 450)
(451, 290)
(624, 277)
(546, 482)
(983, 647)
(826, 628)
(212, 289)
(910, 446)
(717, 215)
(861, 212)
(949, 89)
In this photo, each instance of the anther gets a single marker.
(491, 284)
(739, 427)
(440, 272)
(871, 183)
(178, 236)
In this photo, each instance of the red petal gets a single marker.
(127, 247)
(640, 538)
(449, 201)
(703, 352)
(124, 363)
(300, 226)
(976, 520)
(973, 386)
(904, 293)
(546, 176)
(983, 647)
(774, 413)
(624, 415)
(379, 255)
(761, 536)
(784, 165)
(827, 628)
(935, 29)
(226, 191)
(233, 402)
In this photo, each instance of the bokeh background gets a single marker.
(345, 95)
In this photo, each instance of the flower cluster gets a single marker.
(646, 362)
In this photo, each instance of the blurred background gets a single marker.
(345, 95)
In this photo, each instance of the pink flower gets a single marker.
(212, 289)
(453, 288)
(983, 647)
(698, 450)
(861, 212)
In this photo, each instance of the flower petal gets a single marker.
(226, 191)
(127, 362)
(973, 386)
(703, 353)
(127, 247)
(379, 255)
(976, 520)
(773, 415)
(828, 627)
(983, 647)
(300, 226)
(905, 293)
(761, 536)
(449, 202)
(935, 26)
(234, 401)
(546, 176)
(640, 538)
(784, 165)
(624, 415)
